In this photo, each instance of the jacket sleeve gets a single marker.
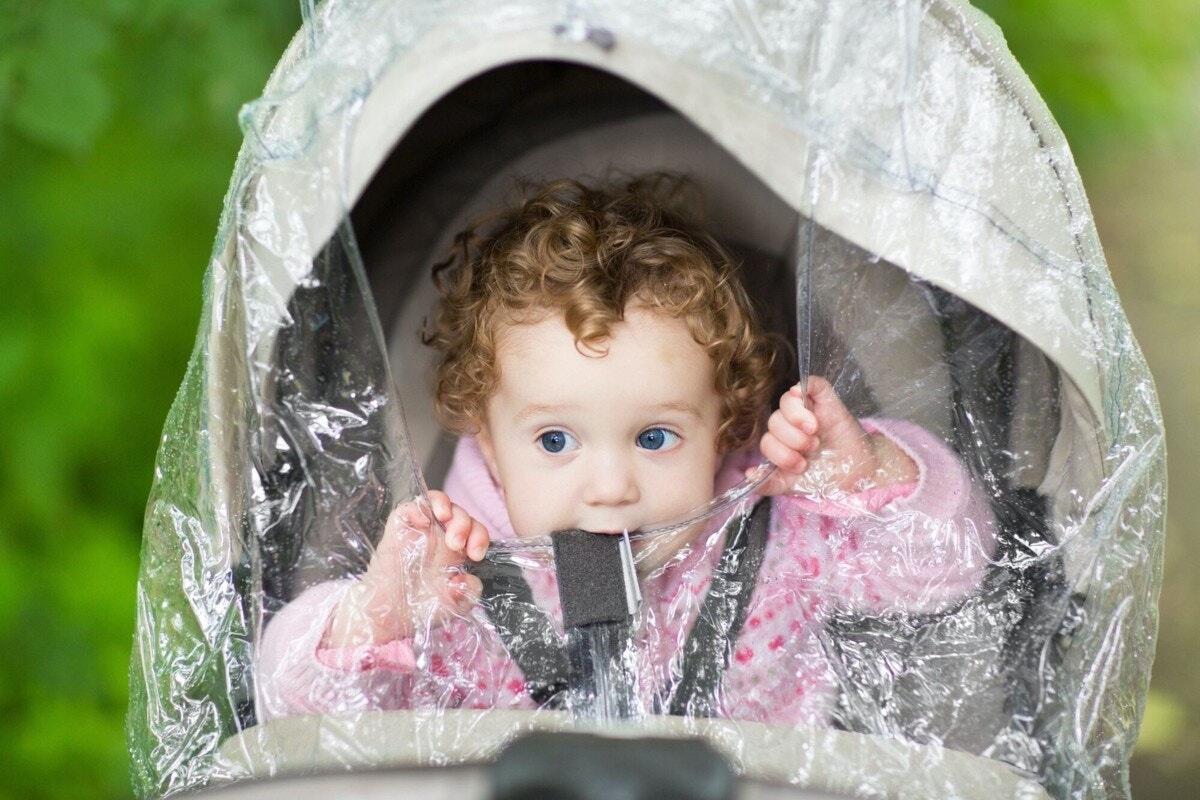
(297, 676)
(460, 664)
(917, 547)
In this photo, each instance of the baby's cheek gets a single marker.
(685, 495)
(521, 522)
(534, 514)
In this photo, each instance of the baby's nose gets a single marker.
(612, 484)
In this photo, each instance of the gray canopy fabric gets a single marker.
(887, 163)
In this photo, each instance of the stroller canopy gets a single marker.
(909, 217)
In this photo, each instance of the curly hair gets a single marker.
(587, 252)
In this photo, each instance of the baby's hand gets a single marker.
(818, 445)
(465, 536)
(414, 575)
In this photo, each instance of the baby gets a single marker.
(605, 371)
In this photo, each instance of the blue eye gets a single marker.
(557, 441)
(656, 439)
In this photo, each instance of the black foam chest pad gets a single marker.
(591, 581)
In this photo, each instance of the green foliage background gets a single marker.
(117, 138)
(118, 133)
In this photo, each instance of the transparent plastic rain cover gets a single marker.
(985, 626)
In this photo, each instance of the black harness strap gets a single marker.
(525, 630)
(530, 638)
(705, 655)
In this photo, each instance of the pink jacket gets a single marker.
(915, 548)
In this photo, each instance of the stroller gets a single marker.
(905, 211)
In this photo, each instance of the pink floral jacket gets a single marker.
(920, 547)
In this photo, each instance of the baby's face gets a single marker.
(607, 444)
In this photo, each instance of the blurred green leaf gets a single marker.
(1108, 69)
(1163, 725)
(55, 90)
(118, 134)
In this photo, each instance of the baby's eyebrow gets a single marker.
(537, 410)
(681, 406)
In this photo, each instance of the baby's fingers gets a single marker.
(441, 506)
(465, 535)
(795, 410)
(790, 435)
(477, 541)
(782, 455)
